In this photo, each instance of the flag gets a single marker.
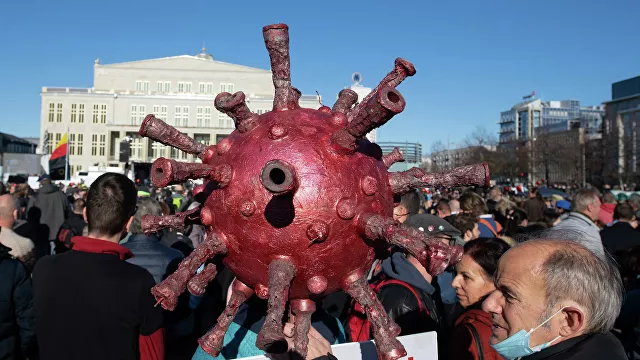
(58, 160)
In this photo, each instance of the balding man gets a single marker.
(586, 209)
(555, 299)
(21, 247)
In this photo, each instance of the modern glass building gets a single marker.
(527, 119)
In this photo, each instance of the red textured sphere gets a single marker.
(308, 226)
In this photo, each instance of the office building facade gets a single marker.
(621, 140)
(525, 120)
(179, 90)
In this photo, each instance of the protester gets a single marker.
(609, 201)
(495, 196)
(71, 227)
(468, 227)
(54, 208)
(17, 323)
(472, 203)
(20, 247)
(443, 210)
(240, 338)
(473, 283)
(586, 208)
(534, 206)
(89, 302)
(149, 253)
(622, 235)
(555, 299)
(409, 205)
(454, 205)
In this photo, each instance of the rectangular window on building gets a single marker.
(207, 116)
(159, 86)
(95, 113)
(79, 144)
(187, 87)
(138, 85)
(102, 145)
(185, 116)
(145, 86)
(59, 112)
(202, 87)
(74, 113)
(177, 115)
(52, 111)
(199, 116)
(134, 114)
(180, 87)
(142, 112)
(202, 138)
(94, 144)
(103, 114)
(167, 86)
(222, 118)
(156, 110)
(72, 144)
(81, 113)
(226, 87)
(163, 112)
(209, 88)
(229, 123)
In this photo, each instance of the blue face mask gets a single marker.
(517, 345)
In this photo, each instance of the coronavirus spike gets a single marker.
(152, 224)
(213, 340)
(385, 330)
(414, 178)
(393, 157)
(199, 281)
(432, 253)
(157, 130)
(377, 111)
(401, 69)
(346, 99)
(165, 172)
(174, 285)
(271, 336)
(276, 38)
(236, 108)
(302, 309)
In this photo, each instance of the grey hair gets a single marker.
(573, 272)
(584, 198)
(146, 206)
(634, 201)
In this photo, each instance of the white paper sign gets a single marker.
(422, 346)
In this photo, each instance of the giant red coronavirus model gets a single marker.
(299, 203)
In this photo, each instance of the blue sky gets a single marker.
(473, 58)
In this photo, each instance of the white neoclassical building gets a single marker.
(178, 89)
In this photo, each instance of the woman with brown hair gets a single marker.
(473, 283)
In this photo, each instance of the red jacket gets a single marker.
(463, 346)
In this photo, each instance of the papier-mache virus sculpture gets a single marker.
(299, 203)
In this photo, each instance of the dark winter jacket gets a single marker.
(463, 345)
(619, 237)
(401, 304)
(76, 221)
(152, 255)
(585, 347)
(17, 322)
(53, 206)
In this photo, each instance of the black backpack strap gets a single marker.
(476, 337)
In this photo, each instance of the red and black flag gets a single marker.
(58, 160)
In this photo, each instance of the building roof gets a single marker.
(202, 60)
(13, 138)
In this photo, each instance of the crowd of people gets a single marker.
(542, 277)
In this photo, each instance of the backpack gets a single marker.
(359, 325)
(65, 234)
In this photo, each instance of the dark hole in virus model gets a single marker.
(277, 176)
(393, 97)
